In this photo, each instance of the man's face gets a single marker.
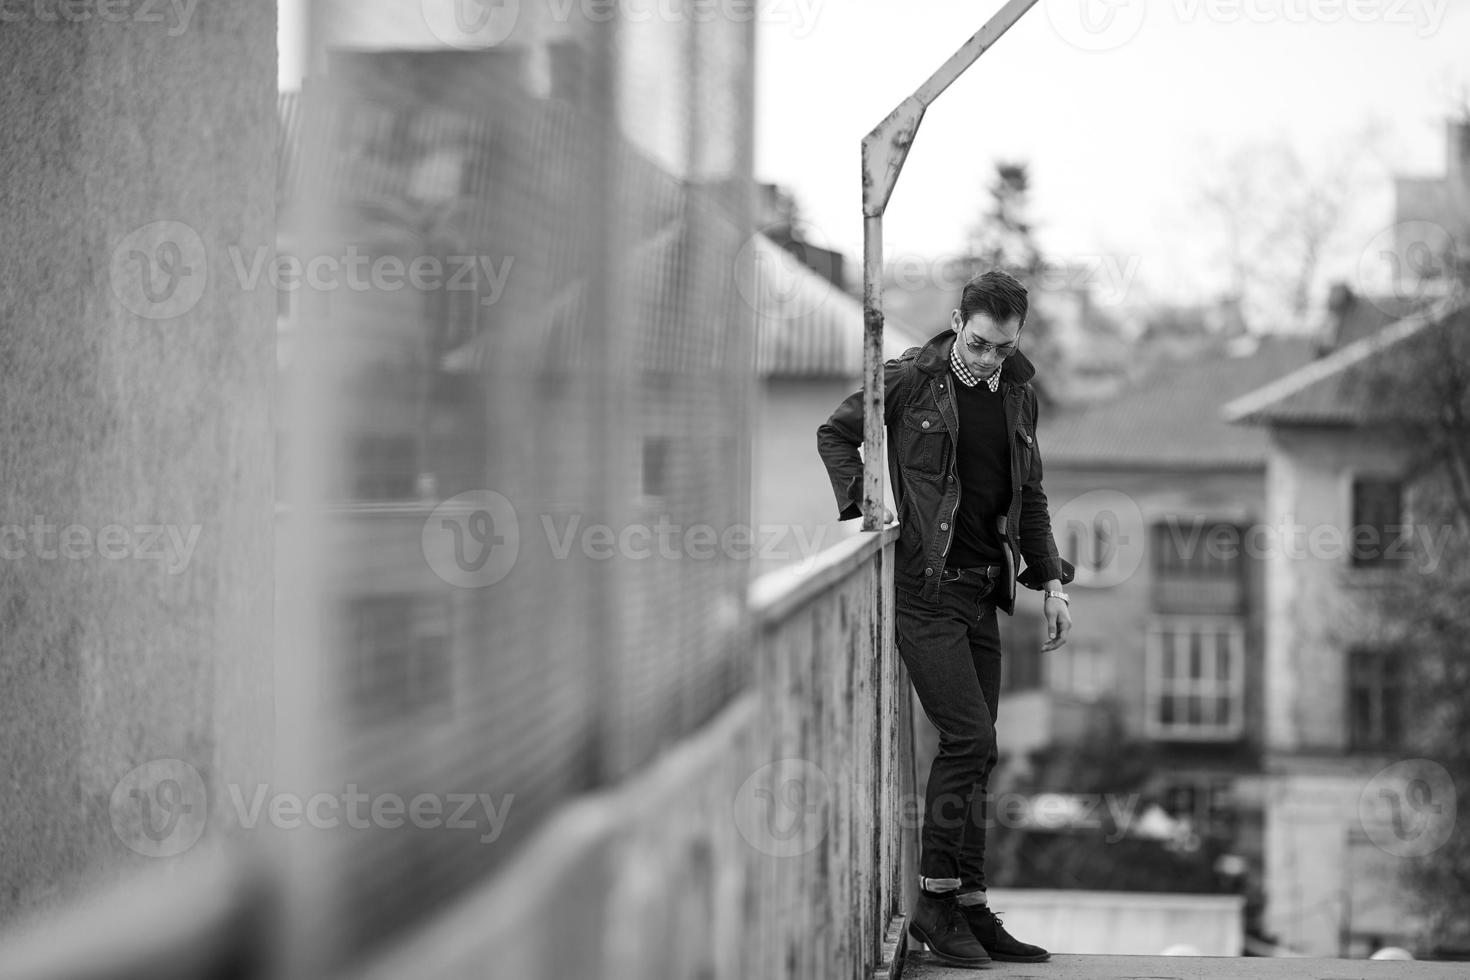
(977, 338)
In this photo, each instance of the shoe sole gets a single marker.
(1021, 959)
(917, 934)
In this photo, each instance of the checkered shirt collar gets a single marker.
(966, 378)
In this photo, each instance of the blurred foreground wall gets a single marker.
(135, 430)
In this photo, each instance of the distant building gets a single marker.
(1152, 499)
(1430, 215)
(776, 216)
(1339, 498)
(809, 356)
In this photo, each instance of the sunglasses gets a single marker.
(981, 347)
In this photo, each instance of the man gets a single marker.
(966, 475)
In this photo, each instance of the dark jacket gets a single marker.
(922, 431)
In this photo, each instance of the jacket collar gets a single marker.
(933, 358)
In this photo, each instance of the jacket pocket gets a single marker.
(921, 441)
(1025, 443)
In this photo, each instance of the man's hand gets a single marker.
(1058, 621)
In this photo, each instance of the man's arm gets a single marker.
(1045, 568)
(841, 436)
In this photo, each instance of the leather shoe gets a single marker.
(986, 926)
(938, 923)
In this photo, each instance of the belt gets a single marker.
(979, 571)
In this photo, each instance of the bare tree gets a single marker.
(1275, 215)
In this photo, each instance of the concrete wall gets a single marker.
(135, 379)
(1120, 923)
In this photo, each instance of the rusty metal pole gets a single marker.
(884, 151)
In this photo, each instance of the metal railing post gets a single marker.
(884, 151)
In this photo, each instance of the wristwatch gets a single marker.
(1054, 594)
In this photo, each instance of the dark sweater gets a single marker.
(983, 465)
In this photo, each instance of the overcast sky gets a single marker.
(1121, 107)
(1117, 115)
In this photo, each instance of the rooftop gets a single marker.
(806, 327)
(1172, 418)
(1332, 390)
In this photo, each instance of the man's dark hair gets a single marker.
(996, 293)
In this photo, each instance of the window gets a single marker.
(656, 466)
(1375, 699)
(1195, 678)
(385, 468)
(1197, 549)
(1021, 638)
(1378, 527)
(1206, 802)
(1080, 669)
(398, 650)
(1092, 546)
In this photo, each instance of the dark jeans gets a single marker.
(952, 650)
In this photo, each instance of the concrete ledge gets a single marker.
(776, 595)
(920, 966)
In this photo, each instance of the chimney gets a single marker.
(1340, 301)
